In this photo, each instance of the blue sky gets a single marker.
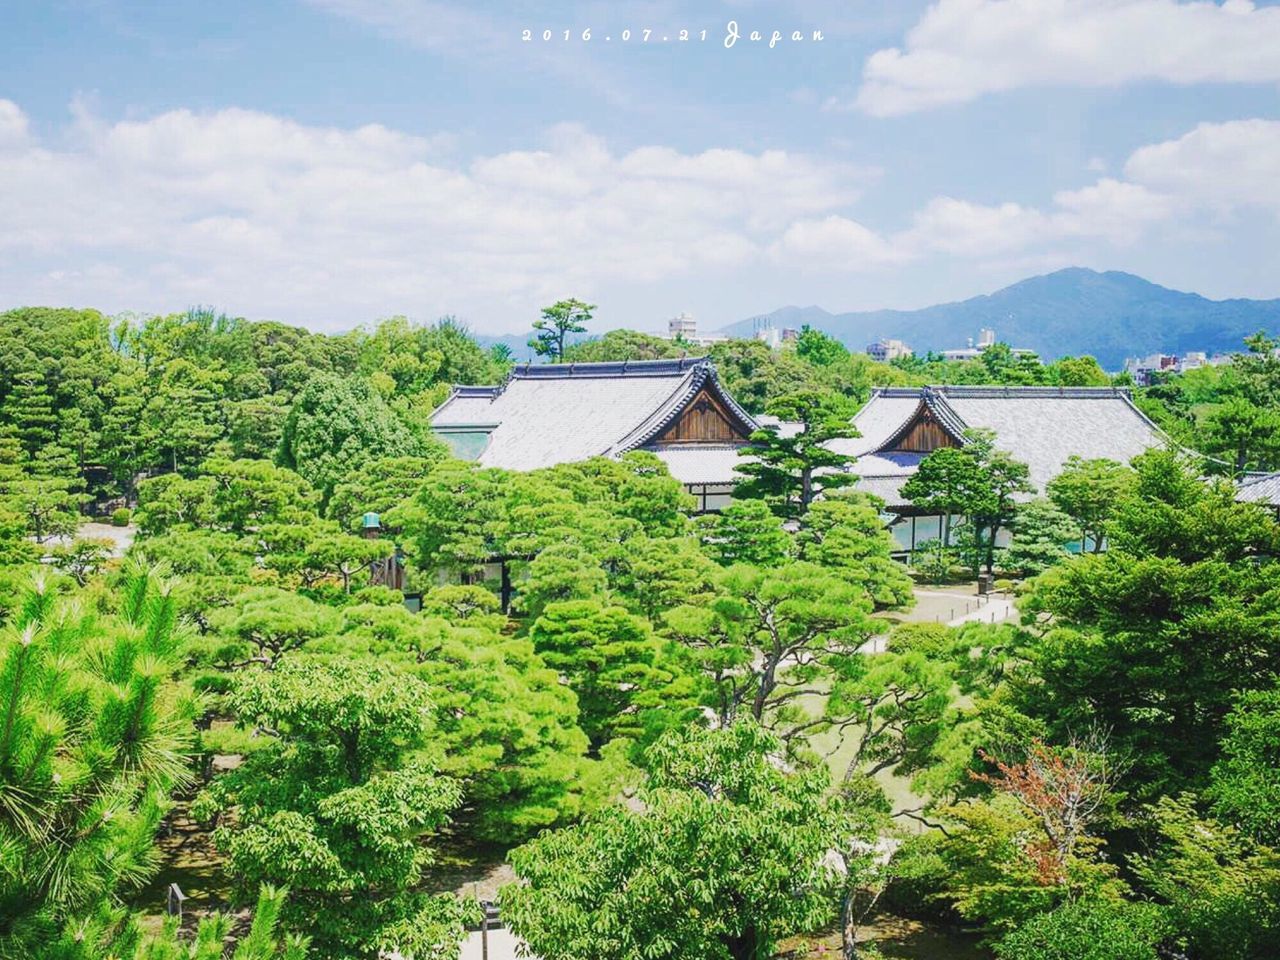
(328, 162)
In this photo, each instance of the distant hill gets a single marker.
(1109, 315)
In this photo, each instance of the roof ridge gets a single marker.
(608, 368)
(947, 415)
(1038, 391)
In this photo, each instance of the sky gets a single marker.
(330, 162)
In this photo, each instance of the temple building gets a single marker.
(546, 414)
(1040, 426)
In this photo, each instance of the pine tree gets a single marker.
(29, 409)
(93, 732)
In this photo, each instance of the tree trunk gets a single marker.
(848, 929)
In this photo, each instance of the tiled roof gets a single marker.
(1041, 426)
(1260, 488)
(546, 414)
(702, 463)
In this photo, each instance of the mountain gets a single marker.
(1109, 315)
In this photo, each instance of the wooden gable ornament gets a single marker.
(704, 419)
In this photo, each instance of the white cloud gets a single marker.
(962, 49)
(330, 227)
(264, 215)
(1220, 166)
(836, 242)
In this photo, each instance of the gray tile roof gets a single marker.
(1261, 488)
(702, 463)
(546, 414)
(1041, 426)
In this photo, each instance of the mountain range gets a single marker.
(1074, 311)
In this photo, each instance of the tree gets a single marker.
(28, 408)
(1245, 787)
(1065, 790)
(263, 624)
(337, 426)
(504, 724)
(1078, 372)
(1221, 890)
(771, 638)
(377, 487)
(1089, 491)
(112, 935)
(723, 857)
(976, 480)
(846, 534)
(558, 321)
(746, 531)
(819, 348)
(1040, 534)
(625, 678)
(332, 553)
(1155, 638)
(657, 574)
(1088, 929)
(790, 469)
(337, 807)
(94, 732)
(184, 416)
(1246, 434)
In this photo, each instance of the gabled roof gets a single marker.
(545, 414)
(1041, 426)
(1261, 488)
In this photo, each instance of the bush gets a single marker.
(121, 517)
(1090, 929)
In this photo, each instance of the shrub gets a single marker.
(1090, 929)
(121, 517)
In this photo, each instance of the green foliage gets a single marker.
(551, 330)
(990, 865)
(746, 531)
(769, 636)
(790, 469)
(819, 348)
(560, 573)
(1153, 638)
(337, 426)
(1087, 929)
(504, 724)
(624, 345)
(1089, 491)
(378, 486)
(121, 516)
(337, 806)
(1222, 891)
(721, 857)
(109, 936)
(847, 535)
(1040, 534)
(1246, 779)
(93, 736)
(625, 678)
(977, 481)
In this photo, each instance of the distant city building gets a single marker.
(775, 338)
(1143, 369)
(986, 338)
(885, 350)
(685, 327)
